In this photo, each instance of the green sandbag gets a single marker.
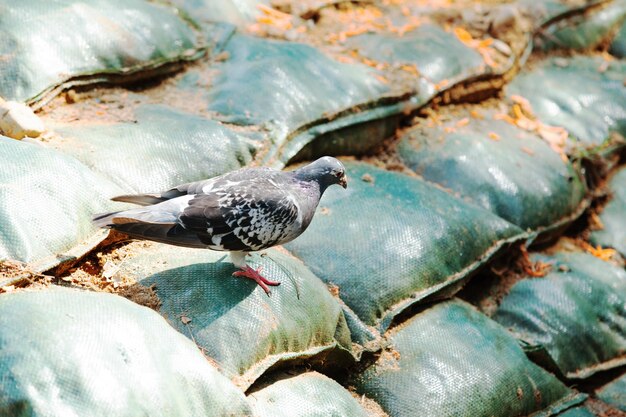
(518, 177)
(575, 317)
(437, 54)
(236, 324)
(584, 31)
(546, 11)
(237, 12)
(450, 360)
(47, 200)
(390, 241)
(47, 43)
(162, 149)
(78, 353)
(574, 94)
(613, 216)
(577, 412)
(614, 393)
(618, 46)
(297, 94)
(244, 13)
(307, 395)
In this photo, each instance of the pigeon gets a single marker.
(242, 211)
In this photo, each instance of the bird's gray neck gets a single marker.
(312, 177)
(310, 193)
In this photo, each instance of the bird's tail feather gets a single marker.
(160, 232)
(140, 199)
(115, 218)
(140, 225)
(104, 219)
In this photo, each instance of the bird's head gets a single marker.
(325, 171)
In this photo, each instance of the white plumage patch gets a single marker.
(165, 212)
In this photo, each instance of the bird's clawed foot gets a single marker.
(255, 275)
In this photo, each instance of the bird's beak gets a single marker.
(343, 181)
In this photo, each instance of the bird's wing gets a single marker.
(246, 215)
(196, 187)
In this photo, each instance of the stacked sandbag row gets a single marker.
(306, 115)
(367, 279)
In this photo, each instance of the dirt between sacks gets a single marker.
(99, 270)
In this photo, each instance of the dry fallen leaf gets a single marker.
(533, 269)
(475, 114)
(334, 289)
(522, 116)
(605, 254)
(367, 178)
(442, 84)
(463, 122)
(381, 79)
(595, 222)
(411, 69)
(273, 18)
(504, 117)
(483, 46)
(523, 102)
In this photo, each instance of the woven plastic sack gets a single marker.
(504, 169)
(77, 353)
(577, 412)
(614, 393)
(584, 31)
(244, 13)
(236, 324)
(162, 149)
(450, 360)
(613, 217)
(390, 241)
(47, 44)
(438, 55)
(545, 12)
(47, 200)
(307, 395)
(618, 46)
(298, 94)
(575, 94)
(574, 318)
(238, 12)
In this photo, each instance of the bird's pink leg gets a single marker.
(255, 275)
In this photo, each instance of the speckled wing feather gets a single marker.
(246, 212)
(260, 174)
(241, 211)
(196, 187)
